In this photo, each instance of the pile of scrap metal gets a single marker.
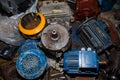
(59, 40)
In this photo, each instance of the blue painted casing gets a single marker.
(31, 62)
(81, 62)
(100, 2)
(28, 45)
(106, 5)
(91, 33)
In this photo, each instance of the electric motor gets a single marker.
(31, 62)
(81, 62)
(86, 8)
(32, 24)
(55, 38)
(55, 11)
(92, 33)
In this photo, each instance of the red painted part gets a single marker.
(86, 8)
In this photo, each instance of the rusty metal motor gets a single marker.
(55, 38)
(55, 11)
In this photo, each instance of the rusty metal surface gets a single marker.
(53, 74)
(55, 38)
(9, 72)
(8, 69)
(113, 32)
(30, 21)
(112, 15)
(84, 78)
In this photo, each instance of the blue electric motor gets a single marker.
(93, 33)
(106, 5)
(81, 62)
(31, 62)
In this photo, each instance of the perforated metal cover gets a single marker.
(31, 64)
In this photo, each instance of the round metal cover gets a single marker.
(55, 37)
(31, 64)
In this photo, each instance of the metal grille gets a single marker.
(31, 64)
